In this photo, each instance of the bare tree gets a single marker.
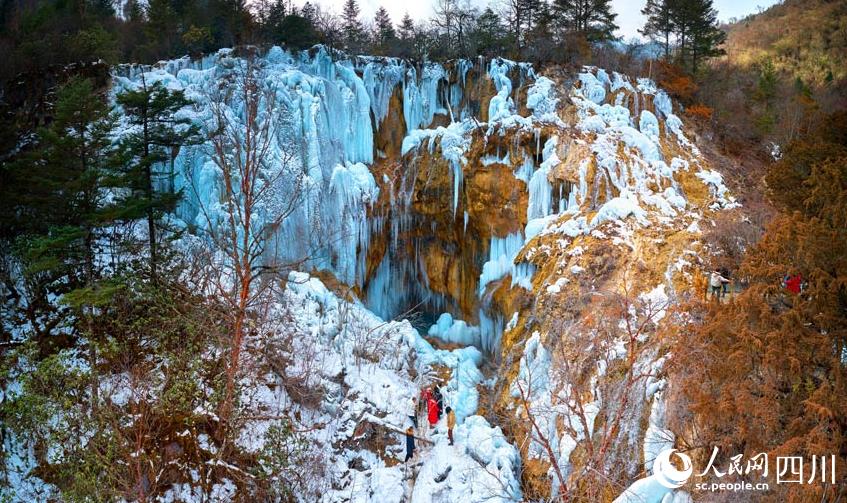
(454, 20)
(258, 189)
(574, 381)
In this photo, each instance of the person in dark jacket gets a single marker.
(725, 282)
(439, 400)
(410, 443)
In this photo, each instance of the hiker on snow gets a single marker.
(716, 282)
(451, 422)
(432, 411)
(426, 394)
(413, 411)
(410, 443)
(439, 400)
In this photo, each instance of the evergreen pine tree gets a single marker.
(272, 23)
(353, 31)
(406, 31)
(62, 208)
(158, 133)
(592, 19)
(697, 31)
(660, 21)
(488, 34)
(384, 33)
(705, 35)
(68, 171)
(541, 44)
(161, 29)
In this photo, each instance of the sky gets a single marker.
(629, 11)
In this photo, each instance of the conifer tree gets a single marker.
(353, 31)
(592, 19)
(660, 21)
(67, 172)
(706, 37)
(77, 152)
(273, 20)
(158, 133)
(384, 33)
(65, 207)
(488, 34)
(541, 43)
(697, 31)
(406, 31)
(160, 29)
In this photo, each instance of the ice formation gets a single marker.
(329, 111)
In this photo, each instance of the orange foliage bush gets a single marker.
(766, 372)
(676, 82)
(700, 111)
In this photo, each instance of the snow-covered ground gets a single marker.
(369, 370)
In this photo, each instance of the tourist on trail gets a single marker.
(451, 422)
(410, 443)
(432, 411)
(716, 282)
(439, 400)
(794, 284)
(413, 411)
(725, 281)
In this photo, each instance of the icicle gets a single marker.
(524, 172)
(563, 205)
(537, 142)
(540, 194)
(491, 331)
(501, 259)
(457, 184)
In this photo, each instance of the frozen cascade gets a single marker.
(525, 171)
(490, 331)
(380, 79)
(500, 105)
(540, 190)
(420, 96)
(324, 122)
(331, 110)
(328, 107)
(455, 331)
(352, 187)
(501, 261)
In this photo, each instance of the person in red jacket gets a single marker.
(432, 411)
(793, 284)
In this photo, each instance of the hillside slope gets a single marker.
(805, 38)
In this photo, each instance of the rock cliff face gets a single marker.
(550, 220)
